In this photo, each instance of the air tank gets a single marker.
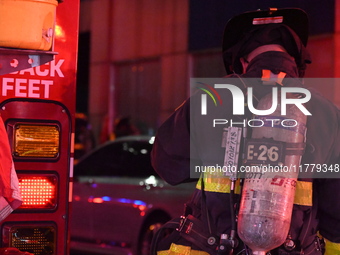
(268, 195)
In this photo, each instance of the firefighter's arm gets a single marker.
(171, 150)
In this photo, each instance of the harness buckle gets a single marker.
(185, 225)
(182, 222)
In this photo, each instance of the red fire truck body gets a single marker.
(37, 105)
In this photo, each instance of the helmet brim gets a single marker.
(239, 25)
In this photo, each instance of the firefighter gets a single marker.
(257, 44)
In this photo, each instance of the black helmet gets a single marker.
(245, 32)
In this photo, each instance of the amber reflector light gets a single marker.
(36, 141)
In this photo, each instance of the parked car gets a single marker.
(119, 201)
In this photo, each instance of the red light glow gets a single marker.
(142, 207)
(98, 200)
(37, 192)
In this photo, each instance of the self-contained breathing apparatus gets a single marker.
(267, 200)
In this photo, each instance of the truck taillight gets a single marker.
(38, 192)
(39, 239)
(40, 136)
(36, 140)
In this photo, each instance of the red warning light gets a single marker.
(38, 192)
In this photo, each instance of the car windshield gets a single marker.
(119, 159)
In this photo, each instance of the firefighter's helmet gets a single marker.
(243, 33)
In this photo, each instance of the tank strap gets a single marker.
(293, 126)
(172, 224)
(194, 231)
(295, 148)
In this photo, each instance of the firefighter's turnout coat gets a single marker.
(182, 139)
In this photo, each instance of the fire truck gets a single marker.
(38, 59)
